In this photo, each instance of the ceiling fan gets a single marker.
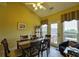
(36, 5)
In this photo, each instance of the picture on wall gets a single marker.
(21, 26)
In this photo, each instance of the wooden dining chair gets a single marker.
(24, 37)
(48, 37)
(34, 37)
(35, 49)
(13, 53)
(44, 46)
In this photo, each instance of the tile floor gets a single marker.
(53, 53)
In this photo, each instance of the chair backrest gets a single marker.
(24, 37)
(34, 37)
(48, 36)
(6, 48)
(44, 44)
(36, 44)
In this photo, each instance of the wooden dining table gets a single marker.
(26, 43)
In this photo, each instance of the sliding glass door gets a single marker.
(54, 35)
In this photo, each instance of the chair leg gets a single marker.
(38, 55)
(42, 54)
(47, 53)
(23, 53)
(48, 50)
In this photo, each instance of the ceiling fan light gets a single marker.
(34, 5)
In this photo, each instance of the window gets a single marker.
(70, 30)
(44, 30)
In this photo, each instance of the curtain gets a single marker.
(44, 21)
(70, 16)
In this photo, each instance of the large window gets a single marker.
(54, 33)
(38, 32)
(44, 30)
(70, 30)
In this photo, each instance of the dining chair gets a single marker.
(48, 37)
(35, 49)
(44, 47)
(24, 37)
(34, 37)
(12, 53)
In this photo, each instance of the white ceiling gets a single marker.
(57, 6)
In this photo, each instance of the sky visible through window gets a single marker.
(70, 30)
(68, 25)
(54, 33)
(44, 30)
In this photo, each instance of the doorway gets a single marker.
(54, 33)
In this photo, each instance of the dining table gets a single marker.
(26, 44)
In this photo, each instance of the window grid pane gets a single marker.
(70, 30)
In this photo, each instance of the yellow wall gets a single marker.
(56, 18)
(10, 15)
